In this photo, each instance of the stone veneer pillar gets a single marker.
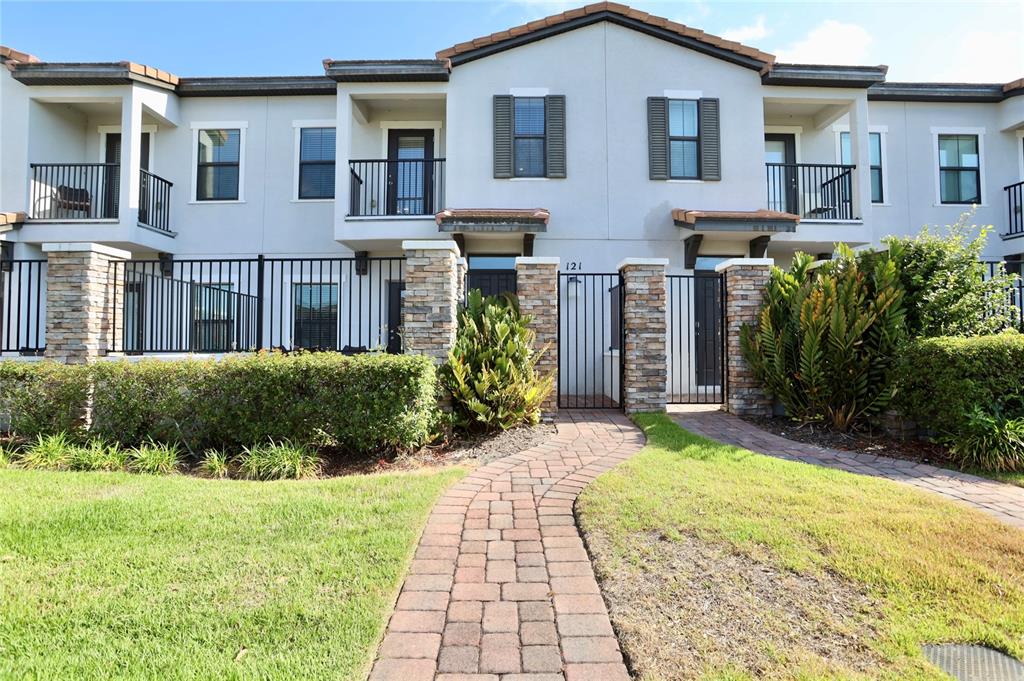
(431, 298)
(80, 300)
(537, 290)
(645, 377)
(745, 282)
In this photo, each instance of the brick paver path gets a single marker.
(501, 586)
(1005, 502)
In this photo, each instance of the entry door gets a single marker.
(782, 182)
(112, 180)
(395, 289)
(410, 172)
(707, 318)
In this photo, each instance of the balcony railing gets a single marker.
(1014, 209)
(814, 191)
(75, 191)
(396, 187)
(154, 201)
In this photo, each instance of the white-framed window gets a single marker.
(877, 161)
(218, 162)
(959, 154)
(315, 154)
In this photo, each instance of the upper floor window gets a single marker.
(218, 171)
(875, 161)
(316, 163)
(683, 139)
(529, 137)
(959, 169)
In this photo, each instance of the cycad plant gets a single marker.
(827, 337)
(491, 370)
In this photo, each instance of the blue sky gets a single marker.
(955, 41)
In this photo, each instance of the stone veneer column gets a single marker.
(645, 377)
(80, 300)
(537, 290)
(745, 282)
(430, 300)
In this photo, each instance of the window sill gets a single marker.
(960, 205)
(385, 218)
(312, 201)
(529, 179)
(819, 221)
(215, 203)
(684, 181)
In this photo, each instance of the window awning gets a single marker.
(735, 221)
(530, 220)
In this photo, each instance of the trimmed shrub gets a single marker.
(40, 398)
(942, 380)
(826, 337)
(155, 458)
(491, 370)
(278, 461)
(367, 403)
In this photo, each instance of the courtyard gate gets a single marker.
(590, 341)
(695, 318)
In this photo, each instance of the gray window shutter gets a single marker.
(657, 137)
(502, 136)
(554, 128)
(710, 140)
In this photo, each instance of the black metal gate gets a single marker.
(590, 341)
(696, 338)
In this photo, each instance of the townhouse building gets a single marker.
(272, 211)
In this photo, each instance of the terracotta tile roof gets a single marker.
(615, 8)
(540, 215)
(151, 72)
(690, 217)
(12, 218)
(11, 54)
(1014, 85)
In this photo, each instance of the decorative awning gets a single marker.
(735, 220)
(512, 220)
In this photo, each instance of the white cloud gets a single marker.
(979, 56)
(748, 34)
(831, 42)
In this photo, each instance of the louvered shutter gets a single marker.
(657, 137)
(554, 126)
(710, 140)
(502, 136)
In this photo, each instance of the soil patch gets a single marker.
(691, 606)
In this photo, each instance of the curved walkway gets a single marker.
(501, 586)
(998, 499)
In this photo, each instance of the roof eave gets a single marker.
(938, 92)
(257, 87)
(824, 75)
(82, 74)
(388, 71)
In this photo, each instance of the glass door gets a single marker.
(780, 157)
(410, 172)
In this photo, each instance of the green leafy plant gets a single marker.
(989, 440)
(43, 398)
(215, 464)
(8, 454)
(491, 370)
(98, 455)
(827, 336)
(947, 289)
(278, 461)
(155, 458)
(53, 452)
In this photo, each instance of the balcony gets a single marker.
(396, 187)
(1014, 210)
(813, 191)
(91, 192)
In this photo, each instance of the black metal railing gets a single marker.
(814, 191)
(696, 338)
(236, 305)
(396, 187)
(23, 306)
(154, 201)
(590, 340)
(1014, 290)
(1014, 209)
(75, 191)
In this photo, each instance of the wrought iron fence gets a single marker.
(811, 190)
(75, 191)
(23, 306)
(1015, 290)
(696, 338)
(590, 341)
(1014, 209)
(396, 187)
(232, 305)
(154, 201)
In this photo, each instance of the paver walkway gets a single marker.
(501, 586)
(1004, 501)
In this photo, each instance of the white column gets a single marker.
(131, 157)
(860, 156)
(342, 152)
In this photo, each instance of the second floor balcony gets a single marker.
(813, 191)
(1014, 210)
(401, 187)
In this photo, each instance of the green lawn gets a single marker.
(935, 571)
(111, 575)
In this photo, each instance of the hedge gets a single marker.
(941, 379)
(367, 403)
(43, 397)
